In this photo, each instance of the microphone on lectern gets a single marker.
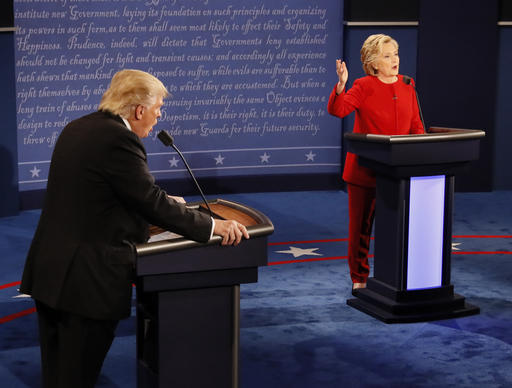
(407, 80)
(168, 141)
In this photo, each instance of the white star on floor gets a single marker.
(21, 296)
(454, 246)
(310, 156)
(264, 158)
(35, 172)
(174, 162)
(296, 252)
(219, 159)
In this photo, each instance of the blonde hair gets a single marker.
(129, 88)
(371, 49)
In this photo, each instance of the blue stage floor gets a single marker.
(296, 328)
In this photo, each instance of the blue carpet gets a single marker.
(296, 329)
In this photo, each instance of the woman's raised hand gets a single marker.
(341, 70)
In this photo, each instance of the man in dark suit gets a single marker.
(99, 200)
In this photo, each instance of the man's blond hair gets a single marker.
(129, 88)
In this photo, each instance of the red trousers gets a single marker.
(361, 211)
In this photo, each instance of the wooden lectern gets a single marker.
(188, 301)
(413, 223)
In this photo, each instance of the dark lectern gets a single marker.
(188, 300)
(413, 223)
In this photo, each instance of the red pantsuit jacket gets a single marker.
(385, 109)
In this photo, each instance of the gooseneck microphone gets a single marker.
(407, 80)
(168, 141)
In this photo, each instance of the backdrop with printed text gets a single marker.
(249, 80)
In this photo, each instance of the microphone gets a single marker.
(168, 141)
(407, 80)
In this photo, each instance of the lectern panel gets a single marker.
(425, 243)
(188, 302)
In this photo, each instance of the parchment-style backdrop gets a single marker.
(250, 80)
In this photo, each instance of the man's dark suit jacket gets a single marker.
(99, 199)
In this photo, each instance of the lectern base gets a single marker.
(410, 306)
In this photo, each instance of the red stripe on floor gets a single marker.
(482, 253)
(309, 260)
(489, 236)
(9, 285)
(17, 315)
(346, 239)
(308, 241)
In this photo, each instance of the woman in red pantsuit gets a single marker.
(386, 105)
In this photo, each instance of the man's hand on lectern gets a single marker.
(231, 231)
